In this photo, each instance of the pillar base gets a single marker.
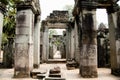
(88, 71)
(115, 72)
(21, 75)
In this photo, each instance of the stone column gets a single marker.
(66, 43)
(88, 55)
(77, 46)
(1, 26)
(114, 32)
(68, 53)
(45, 44)
(24, 43)
(37, 42)
(72, 53)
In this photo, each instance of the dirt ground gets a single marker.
(103, 73)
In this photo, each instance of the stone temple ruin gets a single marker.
(80, 37)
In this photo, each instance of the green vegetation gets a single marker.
(4, 1)
(9, 21)
(52, 32)
(8, 32)
(69, 8)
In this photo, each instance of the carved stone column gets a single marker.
(114, 29)
(24, 43)
(1, 23)
(88, 55)
(37, 42)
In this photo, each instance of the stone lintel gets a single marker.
(57, 25)
(58, 16)
(108, 4)
(29, 4)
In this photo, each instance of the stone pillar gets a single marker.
(37, 42)
(88, 55)
(45, 45)
(77, 47)
(68, 44)
(114, 31)
(72, 53)
(24, 43)
(1, 26)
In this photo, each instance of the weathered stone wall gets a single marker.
(58, 16)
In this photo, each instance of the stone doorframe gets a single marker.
(56, 20)
(84, 13)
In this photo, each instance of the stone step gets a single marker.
(70, 68)
(55, 75)
(37, 71)
(51, 78)
(56, 61)
(41, 76)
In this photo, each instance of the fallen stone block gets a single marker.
(55, 70)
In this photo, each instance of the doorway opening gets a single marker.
(57, 48)
(103, 44)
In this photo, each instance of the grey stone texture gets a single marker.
(24, 43)
(88, 55)
(37, 42)
(1, 27)
(114, 23)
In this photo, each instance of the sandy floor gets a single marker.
(103, 73)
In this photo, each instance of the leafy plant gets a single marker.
(9, 20)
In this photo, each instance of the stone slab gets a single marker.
(35, 72)
(55, 75)
(41, 76)
(54, 78)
